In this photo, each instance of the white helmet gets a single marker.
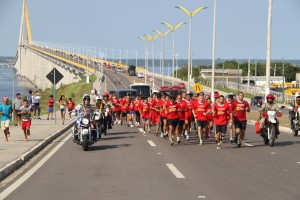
(99, 97)
(297, 95)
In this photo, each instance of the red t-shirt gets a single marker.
(125, 105)
(162, 104)
(239, 110)
(50, 103)
(137, 104)
(221, 114)
(70, 105)
(172, 110)
(230, 106)
(182, 109)
(189, 107)
(200, 109)
(131, 106)
(145, 110)
(155, 104)
(115, 103)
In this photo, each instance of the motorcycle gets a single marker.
(84, 132)
(100, 121)
(269, 131)
(295, 122)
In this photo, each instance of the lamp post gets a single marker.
(120, 56)
(162, 35)
(152, 39)
(283, 80)
(146, 50)
(268, 60)
(190, 15)
(113, 55)
(136, 55)
(126, 57)
(173, 29)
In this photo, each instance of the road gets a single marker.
(128, 165)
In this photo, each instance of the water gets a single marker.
(7, 74)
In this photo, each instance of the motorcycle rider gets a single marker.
(294, 108)
(108, 106)
(270, 105)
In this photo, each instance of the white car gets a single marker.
(120, 70)
(141, 75)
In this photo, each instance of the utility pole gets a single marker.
(283, 81)
(248, 83)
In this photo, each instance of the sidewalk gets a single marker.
(16, 151)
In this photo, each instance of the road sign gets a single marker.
(54, 76)
(198, 88)
(102, 79)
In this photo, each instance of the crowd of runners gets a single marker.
(174, 116)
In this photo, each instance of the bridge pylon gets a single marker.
(25, 18)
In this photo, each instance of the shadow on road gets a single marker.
(106, 147)
(121, 133)
(118, 137)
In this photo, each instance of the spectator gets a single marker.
(62, 107)
(51, 102)
(6, 113)
(36, 102)
(17, 103)
(71, 106)
(29, 98)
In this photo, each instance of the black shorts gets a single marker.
(240, 124)
(173, 122)
(202, 124)
(163, 118)
(124, 114)
(180, 123)
(221, 128)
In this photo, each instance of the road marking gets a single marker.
(26, 176)
(298, 163)
(159, 153)
(141, 130)
(201, 197)
(175, 171)
(247, 144)
(151, 143)
(273, 153)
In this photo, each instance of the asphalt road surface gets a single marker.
(127, 165)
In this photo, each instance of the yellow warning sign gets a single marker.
(198, 88)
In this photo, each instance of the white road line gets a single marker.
(175, 171)
(201, 197)
(273, 153)
(247, 144)
(151, 143)
(159, 153)
(298, 163)
(141, 130)
(26, 176)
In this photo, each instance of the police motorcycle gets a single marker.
(84, 132)
(294, 113)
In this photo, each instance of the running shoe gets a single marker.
(161, 134)
(231, 141)
(144, 133)
(219, 146)
(178, 140)
(201, 142)
(235, 139)
(238, 145)
(187, 137)
(131, 126)
(172, 143)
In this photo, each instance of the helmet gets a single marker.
(297, 95)
(270, 96)
(86, 97)
(98, 98)
(105, 95)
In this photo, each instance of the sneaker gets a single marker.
(131, 126)
(39, 118)
(219, 146)
(187, 137)
(161, 134)
(156, 134)
(48, 119)
(231, 141)
(238, 145)
(34, 117)
(144, 134)
(128, 125)
(178, 140)
(201, 142)
(172, 143)
(235, 139)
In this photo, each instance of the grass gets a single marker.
(73, 90)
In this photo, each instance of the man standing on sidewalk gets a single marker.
(17, 103)
(6, 112)
(36, 102)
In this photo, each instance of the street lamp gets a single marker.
(268, 60)
(190, 15)
(173, 29)
(152, 38)
(146, 50)
(162, 35)
(120, 56)
(126, 57)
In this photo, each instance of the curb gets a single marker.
(17, 163)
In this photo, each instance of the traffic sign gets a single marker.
(54, 76)
(102, 79)
(198, 88)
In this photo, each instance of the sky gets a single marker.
(116, 24)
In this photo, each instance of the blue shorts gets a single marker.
(50, 110)
(132, 112)
(146, 119)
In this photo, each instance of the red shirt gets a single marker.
(183, 107)
(50, 103)
(172, 110)
(70, 105)
(221, 114)
(131, 106)
(230, 106)
(200, 109)
(145, 110)
(116, 103)
(189, 105)
(125, 105)
(137, 104)
(239, 110)
(162, 104)
(155, 104)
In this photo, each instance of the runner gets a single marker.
(125, 103)
(163, 115)
(116, 109)
(181, 116)
(146, 114)
(221, 113)
(137, 103)
(131, 114)
(6, 114)
(188, 116)
(200, 111)
(172, 108)
(239, 109)
(25, 112)
(229, 120)
(155, 116)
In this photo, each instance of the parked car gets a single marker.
(255, 100)
(140, 75)
(120, 70)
